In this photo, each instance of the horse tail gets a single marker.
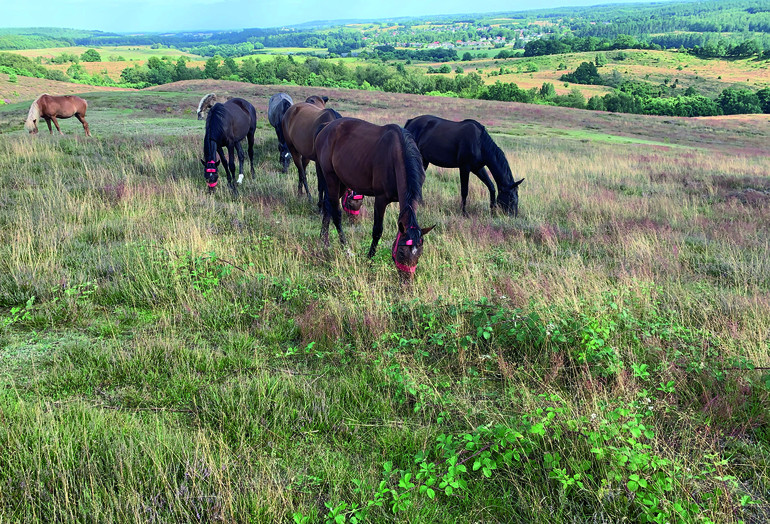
(415, 175)
(34, 114)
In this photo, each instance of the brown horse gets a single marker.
(300, 123)
(53, 107)
(378, 161)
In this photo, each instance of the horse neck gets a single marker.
(410, 188)
(494, 159)
(209, 147)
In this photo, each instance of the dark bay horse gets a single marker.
(226, 125)
(52, 107)
(276, 108)
(378, 161)
(208, 101)
(300, 123)
(466, 145)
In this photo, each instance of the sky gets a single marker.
(126, 16)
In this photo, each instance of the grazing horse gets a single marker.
(226, 125)
(208, 101)
(276, 108)
(378, 161)
(53, 107)
(466, 145)
(300, 123)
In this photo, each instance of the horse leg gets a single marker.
(464, 174)
(48, 121)
(85, 124)
(483, 175)
(241, 160)
(231, 173)
(250, 138)
(327, 214)
(321, 186)
(334, 208)
(380, 204)
(303, 180)
(226, 165)
(56, 123)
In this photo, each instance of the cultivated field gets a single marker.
(167, 355)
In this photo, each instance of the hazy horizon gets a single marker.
(124, 16)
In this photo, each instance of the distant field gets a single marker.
(710, 77)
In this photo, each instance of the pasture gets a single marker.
(708, 77)
(167, 355)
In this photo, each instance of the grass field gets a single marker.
(167, 355)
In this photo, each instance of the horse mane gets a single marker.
(413, 168)
(34, 113)
(214, 129)
(495, 159)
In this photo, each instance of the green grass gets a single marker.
(169, 355)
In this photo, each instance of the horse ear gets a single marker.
(203, 162)
(401, 228)
(427, 230)
(217, 163)
(516, 184)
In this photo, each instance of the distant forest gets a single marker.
(712, 24)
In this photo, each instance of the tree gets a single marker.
(739, 101)
(600, 60)
(467, 57)
(211, 68)
(764, 99)
(91, 55)
(585, 73)
(547, 90)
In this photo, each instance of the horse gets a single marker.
(53, 107)
(276, 108)
(226, 125)
(208, 101)
(466, 145)
(379, 161)
(299, 125)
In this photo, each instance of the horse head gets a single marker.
(352, 202)
(509, 200)
(407, 247)
(210, 174)
(205, 104)
(284, 156)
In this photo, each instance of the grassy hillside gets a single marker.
(170, 355)
(708, 77)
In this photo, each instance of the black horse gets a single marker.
(226, 125)
(466, 145)
(378, 161)
(276, 108)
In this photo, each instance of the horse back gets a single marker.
(447, 143)
(63, 106)
(362, 155)
(300, 124)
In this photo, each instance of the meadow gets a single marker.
(167, 355)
